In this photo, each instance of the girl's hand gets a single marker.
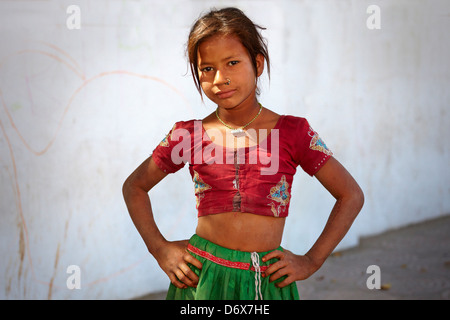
(173, 258)
(295, 267)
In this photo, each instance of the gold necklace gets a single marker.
(237, 132)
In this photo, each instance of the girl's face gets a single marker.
(224, 57)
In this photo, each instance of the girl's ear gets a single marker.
(259, 64)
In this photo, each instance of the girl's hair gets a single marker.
(227, 21)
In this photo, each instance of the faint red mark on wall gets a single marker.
(65, 59)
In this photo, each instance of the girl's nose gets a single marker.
(219, 78)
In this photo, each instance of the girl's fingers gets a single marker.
(273, 254)
(181, 276)
(274, 267)
(285, 282)
(278, 274)
(277, 265)
(174, 280)
(190, 275)
(190, 259)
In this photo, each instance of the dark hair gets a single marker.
(227, 21)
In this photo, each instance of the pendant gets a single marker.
(238, 132)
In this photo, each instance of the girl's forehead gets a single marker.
(220, 45)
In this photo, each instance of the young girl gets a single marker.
(242, 158)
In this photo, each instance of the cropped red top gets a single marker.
(255, 179)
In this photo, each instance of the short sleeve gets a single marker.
(164, 155)
(311, 151)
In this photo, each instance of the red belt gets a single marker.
(224, 262)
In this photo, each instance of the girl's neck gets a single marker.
(240, 114)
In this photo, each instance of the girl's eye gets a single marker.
(232, 63)
(206, 69)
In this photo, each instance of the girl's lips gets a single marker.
(225, 94)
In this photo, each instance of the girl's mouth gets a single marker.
(225, 94)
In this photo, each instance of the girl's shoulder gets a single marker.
(186, 124)
(294, 119)
(291, 122)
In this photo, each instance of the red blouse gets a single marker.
(255, 179)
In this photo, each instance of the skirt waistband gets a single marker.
(225, 262)
(212, 249)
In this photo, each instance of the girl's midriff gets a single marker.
(242, 231)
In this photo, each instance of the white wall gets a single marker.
(80, 109)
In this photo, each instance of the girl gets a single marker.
(242, 206)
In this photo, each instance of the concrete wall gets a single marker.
(81, 108)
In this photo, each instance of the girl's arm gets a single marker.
(349, 201)
(171, 256)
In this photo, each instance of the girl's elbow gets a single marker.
(353, 200)
(358, 199)
(127, 186)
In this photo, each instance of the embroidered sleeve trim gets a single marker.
(317, 143)
(165, 141)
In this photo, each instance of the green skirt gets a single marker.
(230, 275)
